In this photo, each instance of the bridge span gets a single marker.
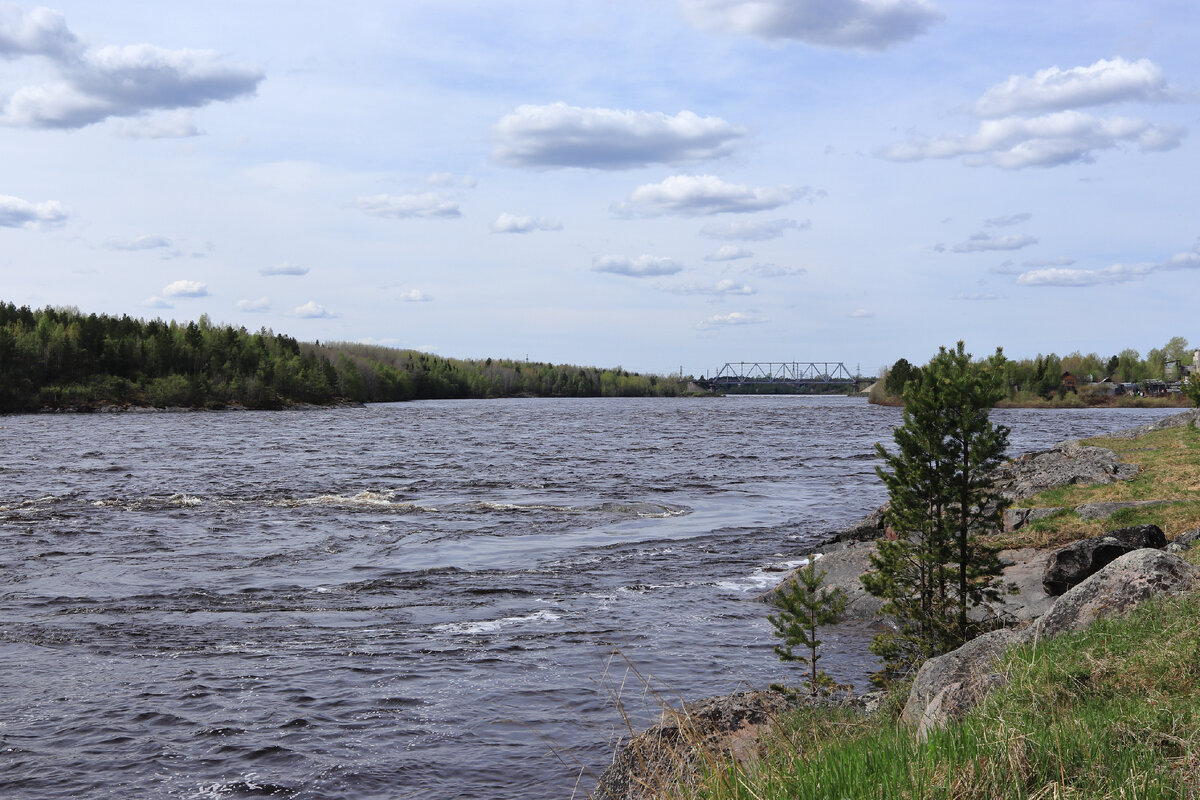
(798, 374)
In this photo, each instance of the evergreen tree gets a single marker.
(941, 498)
(803, 607)
(900, 374)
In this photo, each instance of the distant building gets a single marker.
(1069, 383)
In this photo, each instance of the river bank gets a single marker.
(1145, 477)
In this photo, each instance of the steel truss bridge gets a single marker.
(799, 374)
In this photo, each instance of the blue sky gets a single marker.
(652, 184)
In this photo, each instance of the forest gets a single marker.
(61, 358)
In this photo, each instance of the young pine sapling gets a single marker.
(803, 606)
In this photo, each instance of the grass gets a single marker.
(1168, 469)
(1110, 712)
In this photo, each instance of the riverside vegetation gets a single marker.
(1037, 382)
(1111, 710)
(60, 358)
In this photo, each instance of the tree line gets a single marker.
(1042, 375)
(61, 358)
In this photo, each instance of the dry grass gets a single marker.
(1168, 469)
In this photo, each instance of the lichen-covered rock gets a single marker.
(667, 755)
(1067, 464)
(1071, 565)
(1189, 417)
(1184, 541)
(948, 686)
(1117, 589)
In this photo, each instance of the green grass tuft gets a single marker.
(1110, 712)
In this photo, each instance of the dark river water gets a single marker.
(424, 600)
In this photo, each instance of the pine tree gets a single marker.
(941, 498)
(803, 607)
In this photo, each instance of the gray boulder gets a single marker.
(843, 569)
(1066, 464)
(1117, 589)
(1189, 417)
(670, 753)
(948, 686)
(1184, 541)
(1080, 560)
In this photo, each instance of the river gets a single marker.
(444, 599)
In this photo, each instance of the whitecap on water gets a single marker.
(763, 577)
(494, 625)
(364, 499)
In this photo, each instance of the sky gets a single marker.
(662, 185)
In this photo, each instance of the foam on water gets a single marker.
(496, 625)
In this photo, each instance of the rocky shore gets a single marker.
(1058, 590)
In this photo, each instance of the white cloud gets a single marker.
(284, 268)
(559, 135)
(261, 304)
(857, 24)
(140, 243)
(643, 266)
(698, 195)
(1008, 221)
(1057, 89)
(977, 296)
(429, 205)
(127, 82)
(510, 223)
(728, 252)
(768, 270)
(414, 296)
(1116, 273)
(732, 318)
(980, 242)
(1057, 133)
(862, 313)
(18, 213)
(721, 287)
(773, 270)
(157, 302)
(40, 32)
(186, 289)
(312, 310)
(751, 230)
(179, 125)
(1063, 137)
